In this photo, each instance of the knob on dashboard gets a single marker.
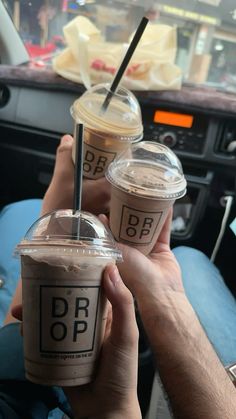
(169, 139)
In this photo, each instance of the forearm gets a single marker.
(121, 414)
(132, 412)
(194, 379)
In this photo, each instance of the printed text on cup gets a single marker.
(138, 227)
(96, 161)
(68, 317)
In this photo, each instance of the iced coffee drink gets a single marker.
(146, 180)
(108, 132)
(63, 257)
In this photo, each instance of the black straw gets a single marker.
(78, 178)
(125, 62)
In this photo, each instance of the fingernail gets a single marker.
(66, 139)
(114, 275)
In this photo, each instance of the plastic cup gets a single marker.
(64, 307)
(146, 180)
(106, 133)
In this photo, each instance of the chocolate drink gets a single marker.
(145, 181)
(64, 311)
(137, 221)
(63, 256)
(106, 134)
(100, 149)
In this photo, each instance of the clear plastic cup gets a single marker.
(146, 180)
(107, 133)
(64, 307)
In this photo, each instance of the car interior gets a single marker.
(198, 122)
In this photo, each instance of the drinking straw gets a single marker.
(125, 62)
(78, 176)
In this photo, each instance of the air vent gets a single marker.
(4, 95)
(227, 138)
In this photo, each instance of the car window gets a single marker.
(206, 31)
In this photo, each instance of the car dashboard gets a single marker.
(198, 123)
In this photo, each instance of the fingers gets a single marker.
(60, 191)
(65, 143)
(108, 322)
(164, 237)
(135, 266)
(64, 162)
(17, 312)
(16, 301)
(104, 219)
(96, 195)
(115, 384)
(124, 331)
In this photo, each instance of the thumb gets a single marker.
(124, 331)
(17, 312)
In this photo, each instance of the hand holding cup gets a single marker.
(145, 182)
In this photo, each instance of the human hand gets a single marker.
(154, 276)
(113, 393)
(59, 195)
(96, 196)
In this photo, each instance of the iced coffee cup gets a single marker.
(146, 180)
(106, 133)
(64, 308)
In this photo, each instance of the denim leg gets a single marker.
(211, 299)
(15, 219)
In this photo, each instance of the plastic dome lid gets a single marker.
(122, 117)
(65, 232)
(150, 170)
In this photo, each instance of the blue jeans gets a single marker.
(15, 219)
(211, 299)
